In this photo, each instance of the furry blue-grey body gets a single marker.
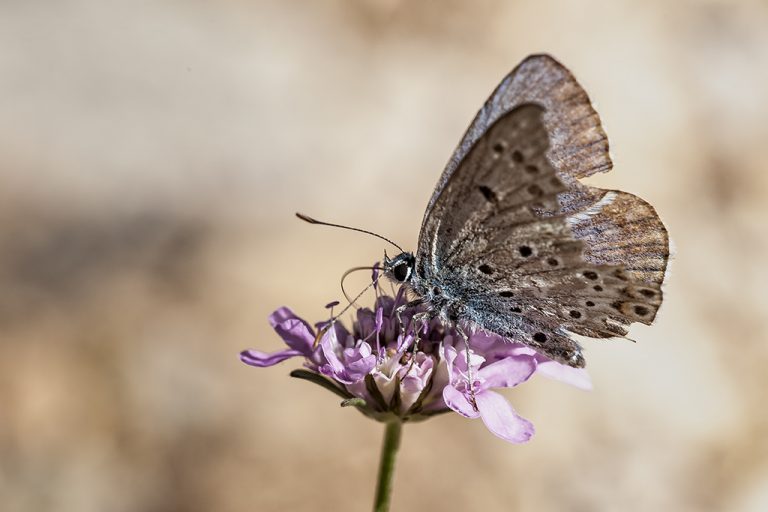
(449, 298)
(513, 243)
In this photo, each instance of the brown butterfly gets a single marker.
(512, 242)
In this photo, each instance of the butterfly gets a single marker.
(513, 243)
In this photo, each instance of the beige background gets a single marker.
(152, 155)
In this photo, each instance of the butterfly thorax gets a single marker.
(430, 290)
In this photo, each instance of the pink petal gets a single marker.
(296, 334)
(328, 343)
(456, 400)
(359, 369)
(577, 377)
(501, 419)
(282, 314)
(448, 353)
(262, 359)
(508, 372)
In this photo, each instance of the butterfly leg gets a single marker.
(470, 378)
(421, 318)
(400, 309)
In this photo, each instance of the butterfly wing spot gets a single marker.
(488, 194)
(620, 274)
(589, 304)
(506, 294)
(591, 275)
(631, 310)
(535, 190)
(552, 262)
(539, 337)
(575, 314)
(647, 293)
(525, 251)
(515, 309)
(499, 147)
(485, 269)
(517, 157)
(531, 169)
(597, 288)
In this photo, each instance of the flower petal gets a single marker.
(296, 334)
(456, 400)
(501, 419)
(577, 377)
(366, 323)
(359, 368)
(508, 372)
(328, 344)
(282, 314)
(353, 366)
(262, 359)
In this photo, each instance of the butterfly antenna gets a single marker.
(310, 220)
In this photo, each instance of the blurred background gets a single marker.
(152, 155)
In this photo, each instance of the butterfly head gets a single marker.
(400, 268)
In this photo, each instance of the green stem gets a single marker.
(387, 466)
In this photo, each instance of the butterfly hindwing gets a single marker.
(624, 230)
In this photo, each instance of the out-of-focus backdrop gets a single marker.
(152, 155)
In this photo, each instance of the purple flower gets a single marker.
(478, 400)
(381, 369)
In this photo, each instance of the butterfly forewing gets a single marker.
(504, 174)
(578, 144)
(489, 248)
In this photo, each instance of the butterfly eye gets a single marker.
(401, 272)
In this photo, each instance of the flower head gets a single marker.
(413, 370)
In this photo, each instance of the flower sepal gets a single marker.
(321, 381)
(354, 402)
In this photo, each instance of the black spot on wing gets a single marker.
(485, 269)
(488, 194)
